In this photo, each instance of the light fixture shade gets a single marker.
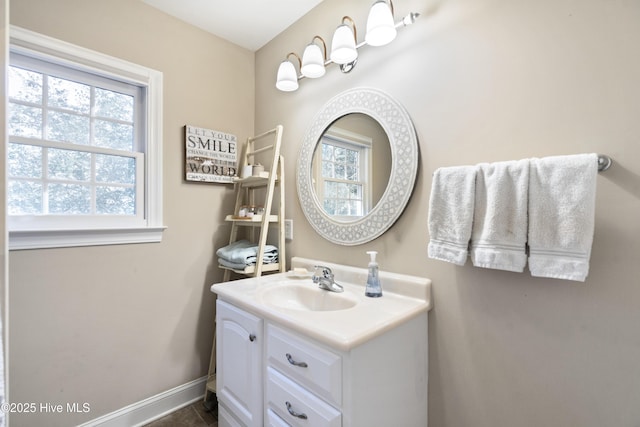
(287, 80)
(312, 62)
(343, 45)
(381, 29)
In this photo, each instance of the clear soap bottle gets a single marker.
(374, 288)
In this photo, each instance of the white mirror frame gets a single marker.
(395, 121)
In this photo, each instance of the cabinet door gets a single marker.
(239, 363)
(225, 419)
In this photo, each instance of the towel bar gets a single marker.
(604, 162)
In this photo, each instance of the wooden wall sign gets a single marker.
(211, 155)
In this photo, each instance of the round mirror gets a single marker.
(357, 166)
(351, 167)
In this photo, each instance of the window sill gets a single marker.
(47, 239)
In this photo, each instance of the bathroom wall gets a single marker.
(113, 325)
(487, 81)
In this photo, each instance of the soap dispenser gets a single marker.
(374, 288)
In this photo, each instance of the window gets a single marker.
(84, 148)
(343, 177)
(72, 148)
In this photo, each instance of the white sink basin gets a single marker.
(307, 297)
(341, 320)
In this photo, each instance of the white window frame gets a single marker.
(150, 229)
(353, 141)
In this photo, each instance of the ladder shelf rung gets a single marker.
(250, 269)
(255, 220)
(254, 181)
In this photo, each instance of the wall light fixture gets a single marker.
(287, 75)
(343, 44)
(381, 30)
(313, 59)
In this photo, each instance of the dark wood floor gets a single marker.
(194, 415)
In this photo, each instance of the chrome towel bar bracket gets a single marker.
(604, 162)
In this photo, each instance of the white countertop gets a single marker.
(403, 298)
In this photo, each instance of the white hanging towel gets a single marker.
(499, 235)
(451, 207)
(562, 191)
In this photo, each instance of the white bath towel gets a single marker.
(562, 192)
(499, 235)
(451, 213)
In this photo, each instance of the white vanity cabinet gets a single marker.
(239, 365)
(303, 382)
(290, 354)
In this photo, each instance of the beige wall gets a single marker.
(488, 81)
(113, 325)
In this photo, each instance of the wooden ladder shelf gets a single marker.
(248, 191)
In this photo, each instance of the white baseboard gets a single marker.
(147, 410)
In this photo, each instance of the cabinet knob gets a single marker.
(252, 337)
(300, 415)
(294, 363)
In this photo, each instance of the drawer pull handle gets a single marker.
(294, 413)
(294, 363)
(252, 337)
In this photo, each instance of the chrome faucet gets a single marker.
(323, 276)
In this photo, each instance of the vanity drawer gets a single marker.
(315, 368)
(296, 406)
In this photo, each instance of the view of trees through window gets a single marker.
(72, 147)
(343, 192)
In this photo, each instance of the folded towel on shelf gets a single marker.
(451, 207)
(233, 265)
(241, 266)
(245, 253)
(562, 193)
(499, 233)
(269, 257)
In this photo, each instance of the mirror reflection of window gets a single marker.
(342, 185)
